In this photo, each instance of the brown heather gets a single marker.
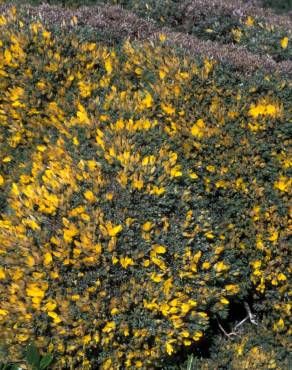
(195, 8)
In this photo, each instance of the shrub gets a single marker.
(144, 192)
(278, 5)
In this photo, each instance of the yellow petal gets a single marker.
(159, 249)
(48, 259)
(115, 230)
(284, 42)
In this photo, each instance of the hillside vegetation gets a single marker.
(145, 186)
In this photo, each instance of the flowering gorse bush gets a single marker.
(141, 193)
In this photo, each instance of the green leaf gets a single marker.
(32, 355)
(46, 361)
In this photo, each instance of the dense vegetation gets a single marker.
(144, 205)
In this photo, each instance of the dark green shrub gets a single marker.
(281, 6)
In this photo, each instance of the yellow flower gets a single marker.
(281, 277)
(175, 171)
(138, 183)
(54, 316)
(162, 74)
(156, 277)
(157, 191)
(82, 115)
(221, 184)
(69, 234)
(279, 325)
(232, 288)
(162, 37)
(198, 129)
(1, 180)
(265, 109)
(22, 337)
(283, 184)
(249, 22)
(41, 148)
(50, 306)
(86, 339)
(197, 257)
(209, 235)
(15, 189)
(185, 307)
(197, 335)
(168, 346)
(89, 196)
(107, 364)
(126, 261)
(158, 249)
(284, 42)
(193, 175)
(147, 226)
(30, 261)
(147, 102)
(187, 342)
(75, 297)
(32, 224)
(114, 311)
(210, 168)
(108, 66)
(2, 273)
(146, 263)
(46, 35)
(220, 266)
(48, 259)
(110, 326)
(256, 264)
(85, 217)
(75, 140)
(33, 290)
(274, 236)
(96, 337)
(167, 108)
(206, 265)
(109, 230)
(224, 300)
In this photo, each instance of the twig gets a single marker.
(251, 316)
(228, 335)
(240, 323)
